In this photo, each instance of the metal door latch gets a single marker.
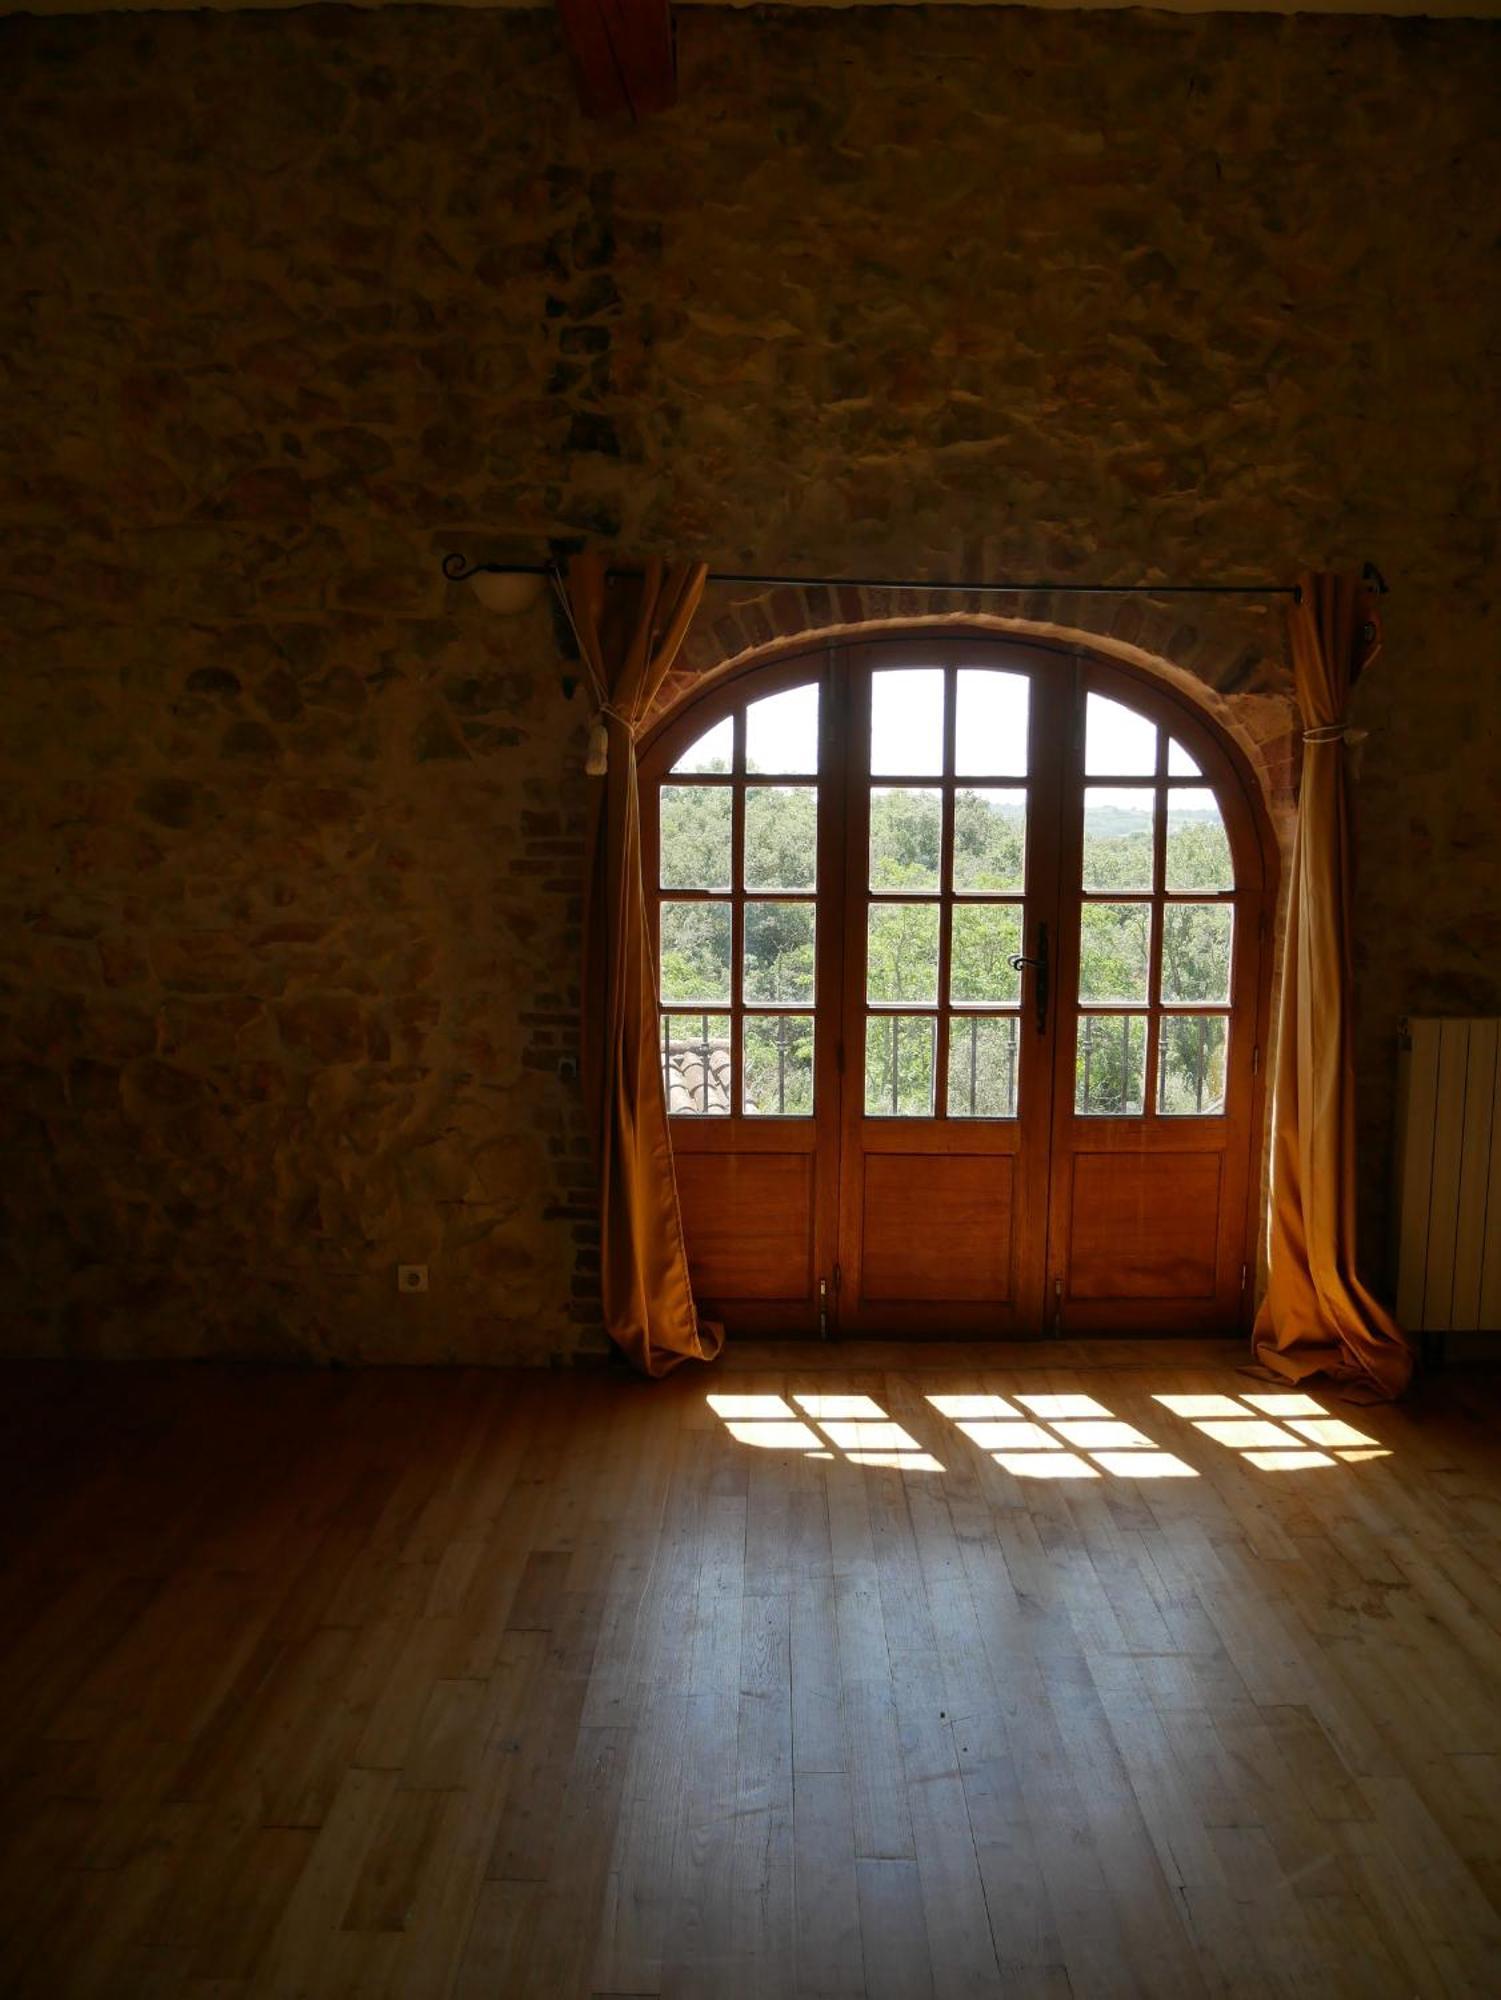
(1039, 964)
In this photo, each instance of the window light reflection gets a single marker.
(1017, 1436)
(755, 1408)
(819, 1407)
(1064, 1406)
(885, 1436)
(973, 1406)
(1062, 1436)
(1201, 1406)
(1328, 1431)
(856, 1426)
(1045, 1465)
(1282, 1405)
(1144, 1465)
(1092, 1434)
(1245, 1433)
(773, 1436)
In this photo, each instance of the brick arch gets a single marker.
(1229, 659)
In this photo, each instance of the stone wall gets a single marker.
(292, 304)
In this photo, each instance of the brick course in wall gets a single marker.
(295, 303)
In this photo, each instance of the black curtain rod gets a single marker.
(457, 570)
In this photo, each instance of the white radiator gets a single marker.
(1448, 1176)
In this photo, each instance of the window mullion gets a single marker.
(1152, 1053)
(945, 893)
(737, 921)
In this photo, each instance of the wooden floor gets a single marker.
(409, 1684)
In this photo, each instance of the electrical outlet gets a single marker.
(411, 1277)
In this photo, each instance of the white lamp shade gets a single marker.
(509, 592)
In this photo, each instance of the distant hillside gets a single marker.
(1113, 823)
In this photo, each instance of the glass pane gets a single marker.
(1179, 763)
(1114, 939)
(781, 732)
(906, 837)
(714, 750)
(906, 722)
(982, 1065)
(694, 821)
(991, 724)
(696, 1064)
(902, 952)
(1110, 1063)
(982, 938)
(1118, 743)
(778, 1066)
(696, 951)
(1118, 837)
(1196, 951)
(781, 836)
(990, 840)
(779, 951)
(899, 1065)
(1191, 1065)
(1198, 848)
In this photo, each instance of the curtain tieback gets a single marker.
(597, 756)
(1335, 732)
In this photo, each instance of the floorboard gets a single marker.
(426, 1684)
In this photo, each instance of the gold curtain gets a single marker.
(629, 633)
(1317, 1317)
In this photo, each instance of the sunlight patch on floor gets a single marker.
(1063, 1406)
(1286, 1461)
(973, 1406)
(1039, 1449)
(1020, 1436)
(839, 1406)
(1274, 1447)
(1051, 1436)
(1045, 1465)
(857, 1426)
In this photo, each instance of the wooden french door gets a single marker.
(960, 955)
(947, 1030)
(1156, 1100)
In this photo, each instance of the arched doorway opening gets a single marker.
(963, 951)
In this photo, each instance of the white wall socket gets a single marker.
(411, 1277)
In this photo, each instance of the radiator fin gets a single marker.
(1448, 1232)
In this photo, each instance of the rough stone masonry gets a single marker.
(293, 303)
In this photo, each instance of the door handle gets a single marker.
(1039, 964)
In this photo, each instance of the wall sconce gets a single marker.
(512, 589)
(509, 588)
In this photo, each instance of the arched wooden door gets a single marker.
(960, 944)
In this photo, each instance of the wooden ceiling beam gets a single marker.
(624, 55)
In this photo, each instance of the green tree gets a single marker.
(781, 842)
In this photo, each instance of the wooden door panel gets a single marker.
(748, 1220)
(937, 1228)
(1144, 1227)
